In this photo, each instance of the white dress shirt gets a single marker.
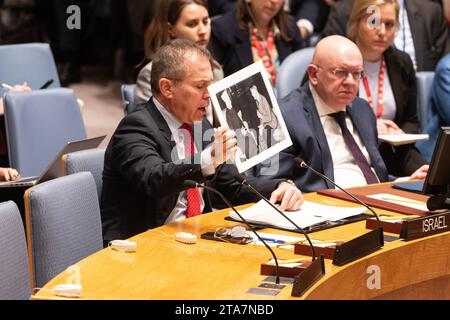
(179, 211)
(403, 37)
(346, 172)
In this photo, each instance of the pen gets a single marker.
(273, 240)
(404, 201)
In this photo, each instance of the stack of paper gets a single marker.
(400, 139)
(310, 214)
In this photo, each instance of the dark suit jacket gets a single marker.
(219, 7)
(403, 82)
(315, 11)
(428, 27)
(402, 77)
(141, 182)
(310, 143)
(231, 46)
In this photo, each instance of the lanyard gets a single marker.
(380, 105)
(264, 50)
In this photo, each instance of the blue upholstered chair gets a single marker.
(127, 91)
(14, 268)
(63, 219)
(292, 71)
(90, 160)
(30, 62)
(424, 82)
(38, 124)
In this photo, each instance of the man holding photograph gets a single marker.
(153, 151)
(332, 129)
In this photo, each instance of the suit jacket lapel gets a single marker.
(395, 78)
(313, 118)
(164, 129)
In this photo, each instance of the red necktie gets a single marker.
(193, 194)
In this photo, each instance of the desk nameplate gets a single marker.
(425, 226)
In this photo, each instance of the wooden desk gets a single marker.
(163, 268)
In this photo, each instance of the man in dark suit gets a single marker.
(427, 24)
(331, 129)
(153, 151)
(310, 15)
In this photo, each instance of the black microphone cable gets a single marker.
(188, 184)
(240, 178)
(301, 163)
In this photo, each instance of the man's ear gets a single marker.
(166, 86)
(312, 74)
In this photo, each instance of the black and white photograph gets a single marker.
(245, 103)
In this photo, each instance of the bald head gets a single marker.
(335, 49)
(335, 71)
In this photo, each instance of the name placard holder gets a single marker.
(308, 277)
(425, 226)
(358, 247)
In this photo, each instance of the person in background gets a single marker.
(219, 7)
(422, 32)
(156, 148)
(8, 174)
(311, 15)
(439, 111)
(182, 19)
(332, 129)
(389, 81)
(256, 30)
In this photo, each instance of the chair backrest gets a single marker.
(30, 62)
(62, 217)
(38, 124)
(128, 97)
(292, 71)
(424, 82)
(14, 269)
(90, 160)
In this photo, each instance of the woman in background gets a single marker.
(184, 19)
(389, 82)
(256, 30)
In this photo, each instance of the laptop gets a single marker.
(54, 170)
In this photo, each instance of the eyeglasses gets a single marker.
(343, 73)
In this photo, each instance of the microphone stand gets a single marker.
(360, 246)
(315, 270)
(302, 164)
(242, 180)
(192, 184)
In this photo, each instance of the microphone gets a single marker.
(301, 163)
(359, 246)
(188, 184)
(241, 179)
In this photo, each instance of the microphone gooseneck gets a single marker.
(301, 163)
(242, 180)
(192, 184)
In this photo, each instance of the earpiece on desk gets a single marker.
(123, 245)
(185, 237)
(68, 290)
